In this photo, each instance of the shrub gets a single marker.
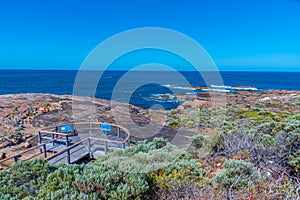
(179, 179)
(174, 120)
(248, 106)
(146, 146)
(259, 105)
(25, 178)
(294, 161)
(237, 174)
(143, 157)
(198, 140)
(6, 197)
(92, 182)
(268, 140)
(189, 123)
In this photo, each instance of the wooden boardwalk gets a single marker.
(83, 140)
(81, 148)
(76, 154)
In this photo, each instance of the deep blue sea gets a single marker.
(146, 92)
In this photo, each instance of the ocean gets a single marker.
(146, 93)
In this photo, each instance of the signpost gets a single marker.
(105, 127)
(65, 128)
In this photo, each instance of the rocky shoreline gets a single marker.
(21, 115)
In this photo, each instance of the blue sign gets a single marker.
(105, 127)
(66, 128)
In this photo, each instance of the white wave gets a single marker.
(190, 93)
(234, 88)
(164, 101)
(249, 88)
(180, 87)
(162, 96)
(220, 86)
(216, 90)
(166, 98)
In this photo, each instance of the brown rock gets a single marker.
(2, 155)
(4, 144)
(27, 145)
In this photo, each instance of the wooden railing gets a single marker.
(90, 129)
(56, 136)
(14, 158)
(88, 139)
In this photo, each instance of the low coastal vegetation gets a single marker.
(255, 154)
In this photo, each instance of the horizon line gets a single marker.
(124, 70)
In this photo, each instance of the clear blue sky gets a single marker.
(238, 34)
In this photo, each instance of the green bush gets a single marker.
(268, 140)
(294, 161)
(178, 174)
(237, 174)
(146, 146)
(25, 178)
(92, 182)
(189, 123)
(143, 157)
(6, 197)
(198, 140)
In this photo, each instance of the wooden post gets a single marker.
(118, 131)
(45, 150)
(89, 147)
(68, 156)
(40, 140)
(52, 135)
(15, 159)
(67, 140)
(105, 147)
(56, 130)
(39, 137)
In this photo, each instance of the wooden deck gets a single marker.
(80, 148)
(71, 147)
(76, 154)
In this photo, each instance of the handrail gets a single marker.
(11, 157)
(35, 155)
(53, 140)
(66, 149)
(96, 123)
(30, 149)
(126, 139)
(52, 132)
(81, 141)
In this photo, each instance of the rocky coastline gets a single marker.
(21, 115)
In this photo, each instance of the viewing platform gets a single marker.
(71, 143)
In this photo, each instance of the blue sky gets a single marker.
(258, 35)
